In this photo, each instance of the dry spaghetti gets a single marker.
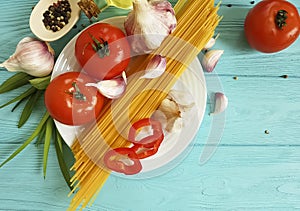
(196, 23)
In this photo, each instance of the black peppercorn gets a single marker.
(57, 15)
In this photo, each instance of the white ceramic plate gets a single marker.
(192, 81)
(37, 26)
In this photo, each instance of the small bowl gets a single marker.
(36, 20)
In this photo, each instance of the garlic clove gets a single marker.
(211, 59)
(170, 108)
(209, 44)
(221, 103)
(156, 67)
(31, 56)
(112, 89)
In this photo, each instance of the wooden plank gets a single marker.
(227, 181)
(257, 104)
(247, 178)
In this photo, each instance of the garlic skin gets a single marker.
(168, 112)
(113, 88)
(211, 59)
(156, 67)
(31, 56)
(221, 103)
(150, 22)
(172, 110)
(184, 101)
(161, 117)
(175, 125)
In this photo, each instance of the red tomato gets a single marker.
(70, 101)
(103, 51)
(272, 25)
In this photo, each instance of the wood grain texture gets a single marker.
(250, 170)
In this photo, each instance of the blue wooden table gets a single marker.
(256, 165)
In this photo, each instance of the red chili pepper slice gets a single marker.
(123, 160)
(155, 125)
(147, 150)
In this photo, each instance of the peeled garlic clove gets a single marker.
(221, 102)
(149, 23)
(111, 89)
(156, 67)
(31, 56)
(211, 59)
(210, 43)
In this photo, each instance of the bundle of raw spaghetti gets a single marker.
(196, 23)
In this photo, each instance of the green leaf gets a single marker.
(28, 92)
(29, 140)
(48, 134)
(40, 83)
(60, 157)
(14, 82)
(18, 104)
(41, 136)
(29, 108)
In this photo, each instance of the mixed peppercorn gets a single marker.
(57, 15)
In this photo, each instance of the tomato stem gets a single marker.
(77, 94)
(280, 18)
(101, 48)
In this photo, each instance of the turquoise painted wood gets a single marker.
(250, 170)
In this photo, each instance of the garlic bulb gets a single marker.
(113, 88)
(156, 67)
(150, 22)
(31, 56)
(221, 102)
